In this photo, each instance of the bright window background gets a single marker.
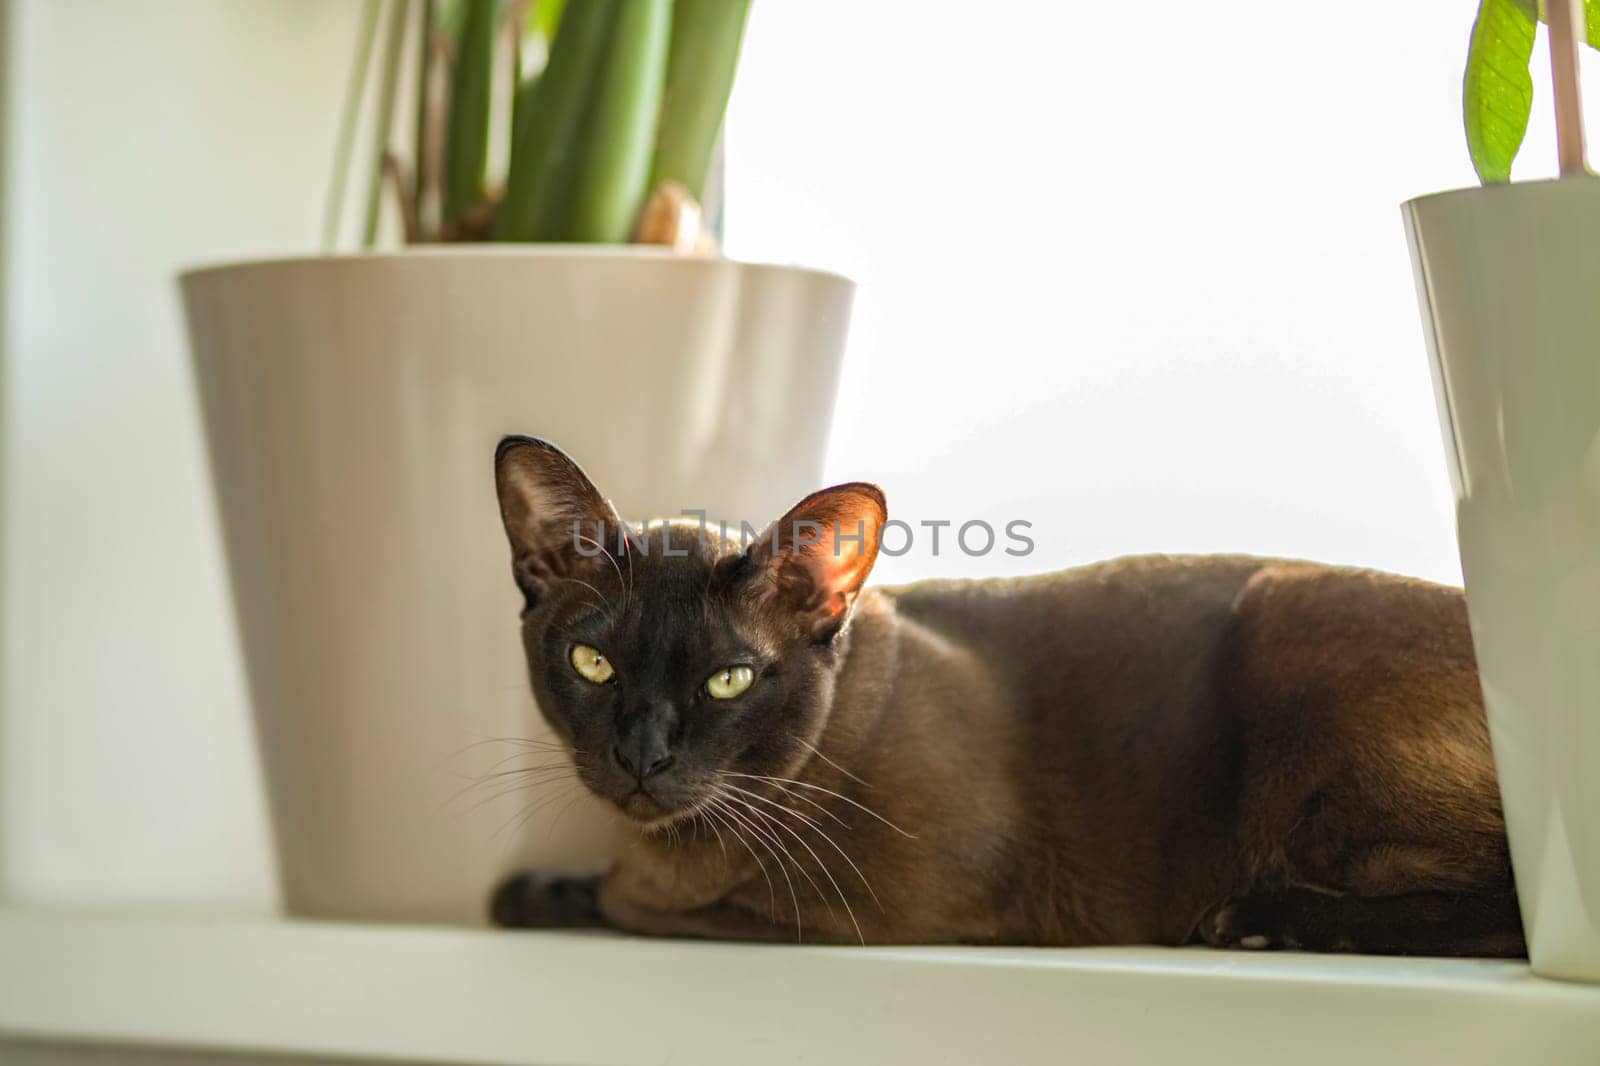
(1143, 283)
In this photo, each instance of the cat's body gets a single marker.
(1155, 750)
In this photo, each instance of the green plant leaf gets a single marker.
(539, 178)
(538, 29)
(451, 18)
(614, 143)
(388, 81)
(350, 113)
(1497, 91)
(467, 141)
(545, 16)
(419, 160)
(706, 35)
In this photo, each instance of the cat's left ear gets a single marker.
(814, 560)
(558, 524)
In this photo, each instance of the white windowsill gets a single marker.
(190, 980)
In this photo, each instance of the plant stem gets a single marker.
(614, 144)
(467, 142)
(538, 180)
(1566, 30)
(516, 23)
(419, 156)
(706, 36)
(395, 173)
(388, 81)
(366, 33)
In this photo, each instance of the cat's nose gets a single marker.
(642, 759)
(642, 746)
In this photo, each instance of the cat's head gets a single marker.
(674, 661)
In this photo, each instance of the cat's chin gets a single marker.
(650, 813)
(644, 808)
(653, 816)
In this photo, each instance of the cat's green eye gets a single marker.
(729, 682)
(590, 664)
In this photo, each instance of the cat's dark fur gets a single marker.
(1157, 750)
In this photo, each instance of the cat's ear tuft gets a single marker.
(558, 523)
(814, 560)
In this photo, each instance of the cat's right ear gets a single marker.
(558, 523)
(814, 559)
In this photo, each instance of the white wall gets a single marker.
(140, 136)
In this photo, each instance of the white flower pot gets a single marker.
(1509, 282)
(352, 406)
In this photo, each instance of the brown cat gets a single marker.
(1160, 750)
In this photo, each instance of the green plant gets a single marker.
(1497, 90)
(600, 108)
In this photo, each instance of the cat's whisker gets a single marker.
(816, 827)
(712, 811)
(809, 802)
(612, 559)
(492, 773)
(846, 856)
(547, 761)
(548, 758)
(575, 796)
(525, 813)
(818, 859)
(479, 789)
(806, 784)
(605, 604)
(716, 832)
(696, 815)
(529, 775)
(531, 811)
(512, 791)
(569, 794)
(731, 812)
(527, 742)
(474, 787)
(527, 747)
(818, 753)
(508, 788)
(517, 821)
(715, 808)
(768, 823)
(627, 592)
(806, 818)
(767, 841)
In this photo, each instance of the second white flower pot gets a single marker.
(1509, 281)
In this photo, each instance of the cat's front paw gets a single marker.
(531, 900)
